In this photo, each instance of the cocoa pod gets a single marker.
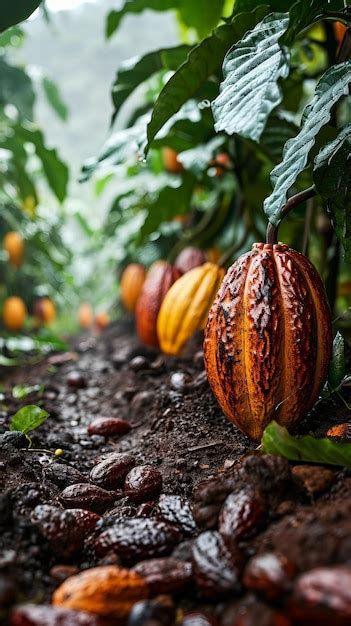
(185, 306)
(143, 483)
(107, 591)
(108, 426)
(132, 281)
(268, 339)
(165, 575)
(189, 258)
(269, 574)
(90, 497)
(160, 277)
(111, 471)
(46, 615)
(322, 597)
(216, 568)
(242, 514)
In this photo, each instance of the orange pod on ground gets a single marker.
(268, 339)
(185, 307)
(132, 281)
(160, 277)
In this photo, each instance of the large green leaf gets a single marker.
(276, 440)
(201, 63)
(54, 98)
(14, 11)
(201, 15)
(55, 170)
(135, 71)
(332, 177)
(303, 13)
(251, 69)
(16, 89)
(332, 86)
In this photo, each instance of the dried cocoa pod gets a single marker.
(132, 281)
(106, 591)
(242, 514)
(176, 509)
(65, 530)
(323, 596)
(137, 538)
(268, 339)
(269, 574)
(185, 306)
(216, 568)
(165, 575)
(160, 277)
(143, 483)
(90, 497)
(46, 615)
(209, 495)
(108, 426)
(111, 471)
(189, 258)
(159, 611)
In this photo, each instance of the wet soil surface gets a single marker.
(222, 532)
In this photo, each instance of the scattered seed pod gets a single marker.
(323, 596)
(261, 298)
(65, 530)
(189, 258)
(269, 574)
(185, 306)
(165, 575)
(107, 591)
(132, 281)
(176, 510)
(90, 497)
(242, 514)
(216, 568)
(157, 612)
(137, 538)
(143, 483)
(46, 615)
(108, 426)
(76, 380)
(159, 279)
(110, 472)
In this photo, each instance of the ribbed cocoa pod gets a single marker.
(268, 339)
(185, 307)
(189, 258)
(160, 277)
(132, 281)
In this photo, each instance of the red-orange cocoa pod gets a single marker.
(268, 339)
(189, 258)
(160, 277)
(132, 281)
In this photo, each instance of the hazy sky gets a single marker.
(56, 5)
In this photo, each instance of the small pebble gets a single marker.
(76, 380)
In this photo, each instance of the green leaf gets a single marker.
(276, 440)
(135, 71)
(332, 86)
(16, 89)
(55, 170)
(54, 98)
(275, 135)
(28, 418)
(303, 14)
(337, 368)
(332, 177)
(15, 11)
(136, 6)
(201, 15)
(251, 70)
(202, 62)
(21, 391)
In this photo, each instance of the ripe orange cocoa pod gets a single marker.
(106, 590)
(160, 277)
(14, 246)
(268, 339)
(132, 281)
(14, 313)
(189, 258)
(44, 311)
(185, 306)
(170, 160)
(85, 315)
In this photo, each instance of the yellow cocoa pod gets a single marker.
(106, 590)
(14, 313)
(185, 306)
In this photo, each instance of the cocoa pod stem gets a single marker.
(294, 201)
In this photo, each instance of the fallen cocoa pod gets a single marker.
(106, 591)
(165, 575)
(111, 471)
(90, 497)
(45, 615)
(269, 574)
(216, 568)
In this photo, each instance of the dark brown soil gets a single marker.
(177, 428)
